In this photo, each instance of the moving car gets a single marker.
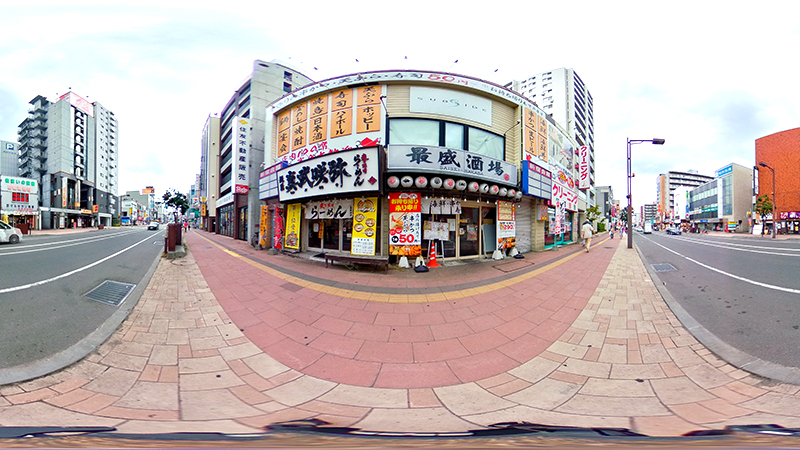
(9, 233)
(674, 230)
(152, 226)
(648, 228)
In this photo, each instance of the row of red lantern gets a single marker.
(448, 183)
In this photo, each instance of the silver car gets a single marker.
(9, 233)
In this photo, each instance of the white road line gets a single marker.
(737, 277)
(72, 272)
(57, 245)
(730, 246)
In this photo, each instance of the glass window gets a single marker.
(413, 132)
(485, 143)
(454, 135)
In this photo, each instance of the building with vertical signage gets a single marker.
(208, 179)
(780, 152)
(562, 94)
(241, 146)
(9, 158)
(725, 203)
(666, 183)
(70, 147)
(409, 163)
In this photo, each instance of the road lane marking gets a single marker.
(72, 272)
(57, 245)
(733, 247)
(737, 277)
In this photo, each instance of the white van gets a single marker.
(648, 228)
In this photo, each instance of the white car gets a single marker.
(9, 233)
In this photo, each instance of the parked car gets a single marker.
(152, 226)
(9, 233)
(674, 230)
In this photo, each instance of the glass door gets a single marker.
(330, 234)
(469, 231)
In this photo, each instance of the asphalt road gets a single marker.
(44, 279)
(746, 291)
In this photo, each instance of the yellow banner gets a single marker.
(293, 214)
(365, 226)
(263, 230)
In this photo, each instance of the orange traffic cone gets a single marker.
(432, 261)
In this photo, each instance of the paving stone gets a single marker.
(469, 398)
(214, 405)
(674, 391)
(546, 394)
(367, 396)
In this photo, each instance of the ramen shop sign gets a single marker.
(343, 172)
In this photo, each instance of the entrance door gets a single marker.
(330, 234)
(469, 231)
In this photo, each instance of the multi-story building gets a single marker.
(666, 183)
(241, 146)
(562, 94)
(649, 212)
(725, 203)
(70, 147)
(606, 204)
(779, 152)
(9, 158)
(208, 179)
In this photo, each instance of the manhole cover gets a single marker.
(111, 292)
(663, 267)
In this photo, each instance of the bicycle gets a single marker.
(255, 240)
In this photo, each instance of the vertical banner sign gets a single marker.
(263, 230)
(365, 223)
(293, 226)
(558, 226)
(277, 229)
(241, 164)
(506, 225)
(583, 165)
(405, 231)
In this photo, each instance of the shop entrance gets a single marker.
(330, 234)
(471, 223)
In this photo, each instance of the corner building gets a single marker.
(396, 163)
(779, 151)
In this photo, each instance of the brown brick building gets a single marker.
(781, 151)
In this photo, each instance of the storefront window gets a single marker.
(485, 143)
(243, 223)
(226, 220)
(454, 136)
(413, 131)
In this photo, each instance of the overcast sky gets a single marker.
(709, 77)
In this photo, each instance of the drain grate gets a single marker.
(663, 267)
(111, 292)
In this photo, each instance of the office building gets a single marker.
(208, 179)
(666, 183)
(724, 203)
(562, 94)
(605, 204)
(70, 147)
(242, 135)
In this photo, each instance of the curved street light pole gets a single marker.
(630, 175)
(774, 205)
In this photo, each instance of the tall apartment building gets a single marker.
(241, 154)
(70, 147)
(667, 183)
(562, 94)
(605, 203)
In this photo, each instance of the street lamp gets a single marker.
(774, 205)
(630, 175)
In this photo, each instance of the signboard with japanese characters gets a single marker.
(447, 206)
(564, 188)
(329, 209)
(328, 123)
(405, 231)
(241, 152)
(20, 195)
(364, 226)
(438, 231)
(293, 219)
(351, 171)
(536, 180)
(534, 134)
(584, 181)
(447, 102)
(506, 225)
(419, 158)
(268, 181)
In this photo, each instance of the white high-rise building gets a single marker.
(70, 147)
(562, 94)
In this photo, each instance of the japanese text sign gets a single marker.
(405, 231)
(241, 155)
(343, 172)
(364, 226)
(329, 209)
(457, 162)
(293, 220)
(584, 181)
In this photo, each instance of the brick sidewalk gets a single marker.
(181, 362)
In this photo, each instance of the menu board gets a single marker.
(435, 231)
(405, 231)
(365, 221)
(293, 219)
(506, 225)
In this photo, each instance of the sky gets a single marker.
(709, 77)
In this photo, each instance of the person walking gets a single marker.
(611, 231)
(586, 233)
